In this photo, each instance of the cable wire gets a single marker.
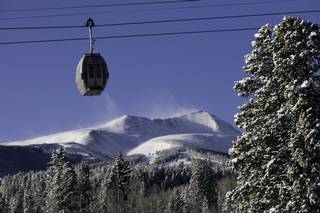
(209, 18)
(132, 36)
(164, 21)
(144, 10)
(96, 6)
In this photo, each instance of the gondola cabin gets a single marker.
(92, 74)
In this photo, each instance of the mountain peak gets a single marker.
(127, 132)
(200, 112)
(209, 120)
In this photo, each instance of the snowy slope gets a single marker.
(90, 143)
(214, 142)
(197, 122)
(199, 129)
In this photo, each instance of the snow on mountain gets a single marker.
(196, 122)
(90, 143)
(137, 135)
(214, 142)
(207, 120)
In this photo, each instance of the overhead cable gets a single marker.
(96, 6)
(144, 10)
(131, 36)
(164, 21)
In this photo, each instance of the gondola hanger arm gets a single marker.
(90, 24)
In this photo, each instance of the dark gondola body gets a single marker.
(92, 74)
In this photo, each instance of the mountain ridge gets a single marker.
(128, 132)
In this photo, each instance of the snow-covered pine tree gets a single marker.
(61, 185)
(303, 105)
(277, 156)
(102, 200)
(205, 206)
(39, 193)
(119, 181)
(69, 194)
(3, 204)
(176, 202)
(15, 204)
(202, 187)
(84, 187)
(53, 181)
(28, 201)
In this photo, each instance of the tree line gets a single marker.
(116, 187)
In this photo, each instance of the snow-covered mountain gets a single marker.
(141, 135)
(206, 141)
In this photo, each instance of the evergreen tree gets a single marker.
(69, 194)
(303, 94)
(176, 202)
(53, 181)
(103, 198)
(205, 206)
(277, 157)
(39, 194)
(84, 188)
(28, 202)
(3, 204)
(119, 182)
(60, 185)
(15, 204)
(203, 186)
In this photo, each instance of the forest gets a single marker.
(118, 186)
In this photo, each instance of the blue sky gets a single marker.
(156, 76)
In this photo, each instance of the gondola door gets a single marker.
(91, 77)
(99, 76)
